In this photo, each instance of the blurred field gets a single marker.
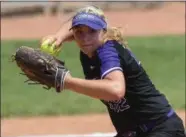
(163, 58)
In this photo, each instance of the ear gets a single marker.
(102, 36)
(104, 30)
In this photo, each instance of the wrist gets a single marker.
(65, 36)
(67, 81)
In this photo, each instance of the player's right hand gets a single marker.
(53, 40)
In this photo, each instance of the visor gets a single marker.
(91, 20)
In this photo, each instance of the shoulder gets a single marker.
(109, 58)
(111, 46)
(107, 50)
(108, 45)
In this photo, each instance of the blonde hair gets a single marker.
(111, 33)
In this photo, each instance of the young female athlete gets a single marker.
(117, 78)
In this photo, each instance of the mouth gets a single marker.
(87, 45)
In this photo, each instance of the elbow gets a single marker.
(119, 93)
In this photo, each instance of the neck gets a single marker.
(90, 55)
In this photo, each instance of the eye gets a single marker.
(92, 31)
(78, 32)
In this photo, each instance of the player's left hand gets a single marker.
(41, 68)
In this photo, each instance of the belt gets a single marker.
(148, 126)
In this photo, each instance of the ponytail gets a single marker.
(114, 33)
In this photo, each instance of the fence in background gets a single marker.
(55, 7)
(15, 8)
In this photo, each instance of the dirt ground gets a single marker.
(83, 124)
(167, 20)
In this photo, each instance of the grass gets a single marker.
(162, 57)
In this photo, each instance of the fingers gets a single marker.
(50, 39)
(58, 43)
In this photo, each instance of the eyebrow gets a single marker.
(81, 28)
(78, 27)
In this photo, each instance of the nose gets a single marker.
(85, 37)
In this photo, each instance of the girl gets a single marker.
(116, 77)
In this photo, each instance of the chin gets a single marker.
(85, 52)
(88, 53)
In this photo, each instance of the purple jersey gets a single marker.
(142, 101)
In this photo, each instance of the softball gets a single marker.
(49, 48)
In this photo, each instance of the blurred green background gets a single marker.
(163, 57)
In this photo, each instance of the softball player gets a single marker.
(117, 78)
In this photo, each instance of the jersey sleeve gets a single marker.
(109, 59)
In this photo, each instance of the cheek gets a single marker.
(77, 39)
(98, 39)
(78, 44)
(75, 36)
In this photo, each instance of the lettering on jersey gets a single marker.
(119, 105)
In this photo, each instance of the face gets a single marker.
(87, 39)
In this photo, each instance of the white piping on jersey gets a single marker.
(109, 70)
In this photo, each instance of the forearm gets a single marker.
(65, 33)
(100, 89)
